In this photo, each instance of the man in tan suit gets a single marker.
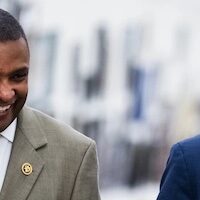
(43, 159)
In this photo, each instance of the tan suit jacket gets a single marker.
(64, 161)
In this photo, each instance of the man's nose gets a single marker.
(6, 93)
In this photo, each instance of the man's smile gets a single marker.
(4, 108)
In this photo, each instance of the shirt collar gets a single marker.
(9, 132)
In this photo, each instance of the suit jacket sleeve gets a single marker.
(175, 182)
(86, 183)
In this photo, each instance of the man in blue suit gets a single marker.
(181, 178)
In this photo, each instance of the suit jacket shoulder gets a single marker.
(54, 130)
(180, 179)
(191, 145)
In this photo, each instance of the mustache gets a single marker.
(2, 103)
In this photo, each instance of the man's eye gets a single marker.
(19, 77)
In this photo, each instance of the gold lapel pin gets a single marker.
(27, 169)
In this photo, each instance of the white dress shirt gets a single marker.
(6, 140)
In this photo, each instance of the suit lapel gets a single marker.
(28, 140)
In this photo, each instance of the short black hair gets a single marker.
(10, 28)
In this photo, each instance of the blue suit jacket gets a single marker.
(181, 178)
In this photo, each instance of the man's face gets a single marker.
(14, 65)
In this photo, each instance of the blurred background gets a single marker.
(123, 72)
